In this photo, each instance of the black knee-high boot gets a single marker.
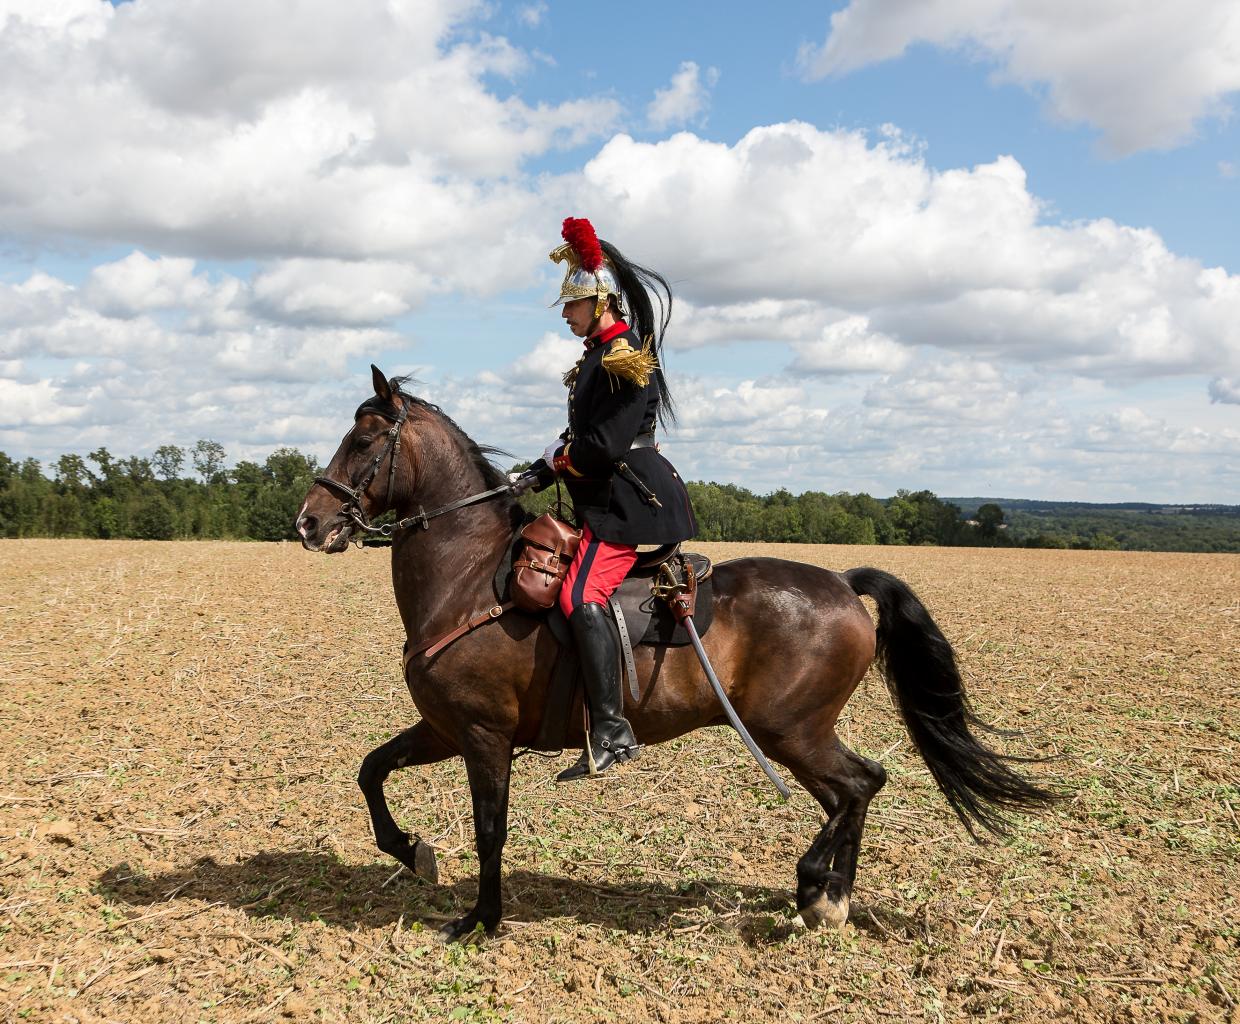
(611, 740)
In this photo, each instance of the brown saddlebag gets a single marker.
(547, 548)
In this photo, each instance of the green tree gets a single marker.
(152, 517)
(72, 473)
(290, 468)
(989, 518)
(272, 514)
(103, 519)
(168, 460)
(922, 518)
(208, 457)
(63, 514)
(249, 476)
(102, 458)
(138, 470)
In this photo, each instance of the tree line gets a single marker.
(190, 493)
(104, 496)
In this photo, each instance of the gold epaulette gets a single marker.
(632, 364)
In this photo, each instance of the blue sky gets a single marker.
(980, 248)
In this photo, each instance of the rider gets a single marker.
(624, 492)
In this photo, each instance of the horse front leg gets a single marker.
(417, 745)
(488, 762)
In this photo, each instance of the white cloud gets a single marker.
(151, 350)
(686, 98)
(532, 14)
(545, 364)
(360, 163)
(34, 404)
(230, 128)
(1225, 390)
(1144, 74)
(956, 392)
(140, 284)
(849, 346)
(790, 320)
(339, 291)
(793, 229)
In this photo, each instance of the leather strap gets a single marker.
(626, 648)
(423, 518)
(434, 646)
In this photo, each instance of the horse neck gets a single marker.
(442, 575)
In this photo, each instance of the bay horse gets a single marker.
(791, 641)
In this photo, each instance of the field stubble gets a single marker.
(181, 837)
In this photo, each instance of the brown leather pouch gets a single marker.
(539, 569)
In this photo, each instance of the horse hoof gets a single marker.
(463, 929)
(424, 864)
(825, 911)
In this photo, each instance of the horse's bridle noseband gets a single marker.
(353, 508)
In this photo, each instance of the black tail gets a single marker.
(920, 667)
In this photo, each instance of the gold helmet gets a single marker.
(588, 274)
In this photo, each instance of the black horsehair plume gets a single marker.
(638, 285)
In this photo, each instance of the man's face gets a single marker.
(579, 314)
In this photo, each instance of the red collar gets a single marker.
(604, 336)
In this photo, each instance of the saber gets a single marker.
(763, 763)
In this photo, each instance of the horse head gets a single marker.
(368, 474)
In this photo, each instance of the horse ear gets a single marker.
(382, 388)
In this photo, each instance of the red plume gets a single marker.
(579, 233)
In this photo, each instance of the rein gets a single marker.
(353, 507)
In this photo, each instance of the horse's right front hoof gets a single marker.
(425, 866)
(417, 856)
(464, 929)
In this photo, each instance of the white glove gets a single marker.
(549, 452)
(519, 483)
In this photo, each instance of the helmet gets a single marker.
(588, 273)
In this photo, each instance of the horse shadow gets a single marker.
(313, 885)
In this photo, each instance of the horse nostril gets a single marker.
(306, 526)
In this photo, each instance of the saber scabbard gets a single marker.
(733, 717)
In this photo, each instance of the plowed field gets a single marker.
(181, 837)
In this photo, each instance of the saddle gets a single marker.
(641, 608)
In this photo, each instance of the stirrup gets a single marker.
(586, 767)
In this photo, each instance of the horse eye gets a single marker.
(364, 441)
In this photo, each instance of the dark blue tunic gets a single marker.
(606, 414)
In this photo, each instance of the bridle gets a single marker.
(354, 507)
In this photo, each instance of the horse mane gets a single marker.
(479, 454)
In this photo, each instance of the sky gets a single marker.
(982, 247)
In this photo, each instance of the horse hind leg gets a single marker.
(417, 745)
(843, 782)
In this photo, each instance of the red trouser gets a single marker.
(597, 569)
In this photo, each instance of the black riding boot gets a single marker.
(611, 739)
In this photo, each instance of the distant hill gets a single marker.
(1129, 525)
(970, 505)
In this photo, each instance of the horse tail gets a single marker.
(920, 668)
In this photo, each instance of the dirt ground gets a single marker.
(182, 839)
